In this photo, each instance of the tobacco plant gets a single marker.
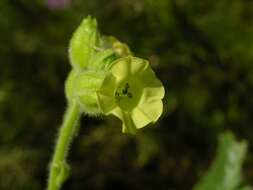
(105, 79)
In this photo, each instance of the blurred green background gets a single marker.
(201, 50)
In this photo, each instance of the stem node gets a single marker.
(59, 169)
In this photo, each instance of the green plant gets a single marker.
(225, 172)
(105, 79)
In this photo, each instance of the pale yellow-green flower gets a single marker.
(131, 92)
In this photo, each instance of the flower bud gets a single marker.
(82, 87)
(117, 46)
(83, 43)
(103, 60)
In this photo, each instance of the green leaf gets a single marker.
(225, 172)
(244, 188)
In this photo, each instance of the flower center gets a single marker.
(128, 94)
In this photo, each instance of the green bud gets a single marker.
(82, 87)
(117, 46)
(103, 60)
(69, 85)
(86, 86)
(83, 43)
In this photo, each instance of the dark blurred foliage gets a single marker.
(201, 50)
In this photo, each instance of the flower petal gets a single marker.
(106, 103)
(149, 79)
(152, 93)
(105, 95)
(138, 65)
(121, 69)
(128, 124)
(150, 102)
(152, 110)
(109, 85)
(140, 118)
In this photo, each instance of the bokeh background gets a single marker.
(201, 50)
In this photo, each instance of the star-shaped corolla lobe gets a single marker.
(131, 92)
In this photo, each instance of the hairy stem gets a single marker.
(59, 170)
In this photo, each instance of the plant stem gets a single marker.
(59, 169)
